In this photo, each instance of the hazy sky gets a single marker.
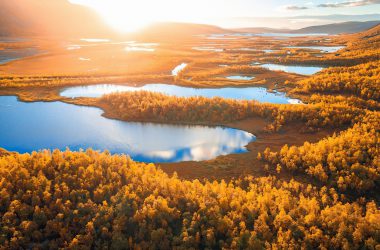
(121, 13)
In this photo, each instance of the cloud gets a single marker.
(349, 4)
(295, 7)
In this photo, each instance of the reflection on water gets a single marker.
(8, 55)
(213, 49)
(26, 127)
(135, 48)
(289, 34)
(95, 40)
(243, 78)
(245, 49)
(220, 37)
(247, 93)
(302, 70)
(270, 50)
(5, 39)
(178, 69)
(325, 49)
(232, 35)
(73, 47)
(145, 47)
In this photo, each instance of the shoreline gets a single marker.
(223, 166)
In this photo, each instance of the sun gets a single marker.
(132, 15)
(122, 15)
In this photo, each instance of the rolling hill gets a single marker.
(49, 18)
(177, 31)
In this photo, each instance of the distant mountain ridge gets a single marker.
(262, 30)
(177, 31)
(338, 28)
(333, 29)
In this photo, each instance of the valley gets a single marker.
(187, 136)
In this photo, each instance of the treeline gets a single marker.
(53, 81)
(353, 101)
(348, 57)
(88, 200)
(150, 106)
(362, 81)
(349, 161)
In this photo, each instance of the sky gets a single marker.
(129, 15)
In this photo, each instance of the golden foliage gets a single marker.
(149, 106)
(97, 200)
(362, 81)
(348, 161)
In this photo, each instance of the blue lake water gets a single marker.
(213, 49)
(266, 35)
(245, 49)
(4, 39)
(247, 93)
(302, 70)
(270, 50)
(325, 49)
(240, 78)
(95, 40)
(178, 69)
(145, 47)
(8, 55)
(289, 34)
(26, 127)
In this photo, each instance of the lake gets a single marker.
(270, 50)
(240, 78)
(6, 39)
(95, 40)
(325, 49)
(302, 70)
(248, 93)
(8, 55)
(245, 49)
(247, 34)
(145, 47)
(208, 49)
(178, 69)
(289, 34)
(26, 127)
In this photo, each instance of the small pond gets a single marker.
(289, 34)
(240, 78)
(178, 69)
(324, 49)
(247, 93)
(302, 70)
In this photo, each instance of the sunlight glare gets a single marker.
(129, 15)
(124, 16)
